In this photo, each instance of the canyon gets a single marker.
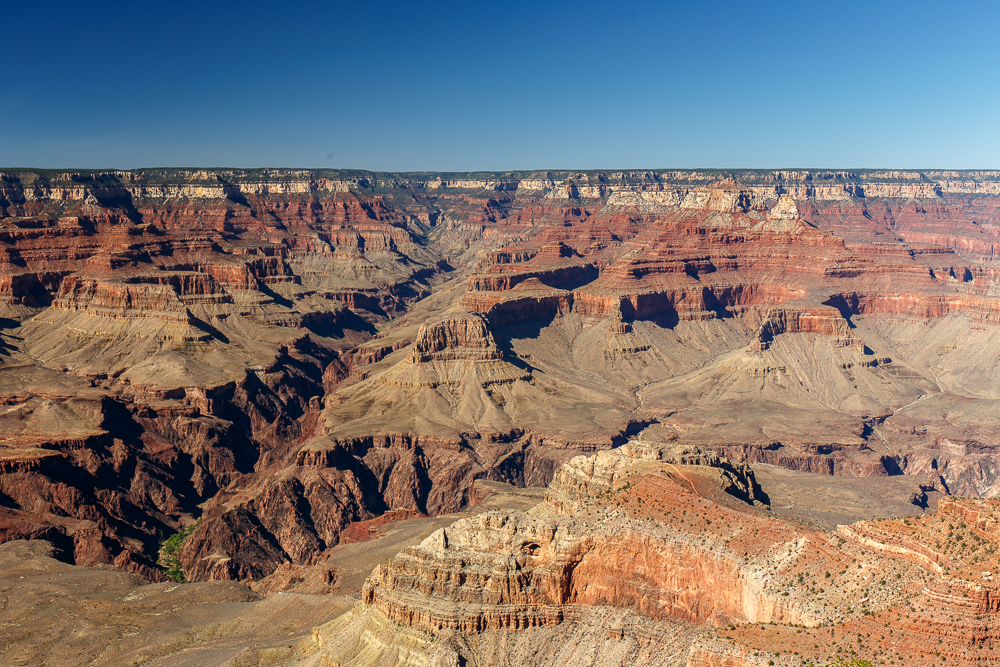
(541, 418)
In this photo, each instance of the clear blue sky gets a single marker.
(501, 85)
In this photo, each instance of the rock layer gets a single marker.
(661, 533)
(242, 347)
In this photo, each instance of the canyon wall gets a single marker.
(278, 354)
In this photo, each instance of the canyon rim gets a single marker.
(711, 418)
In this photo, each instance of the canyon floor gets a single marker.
(703, 418)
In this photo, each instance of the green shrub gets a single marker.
(169, 549)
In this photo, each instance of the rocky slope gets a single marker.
(652, 555)
(281, 355)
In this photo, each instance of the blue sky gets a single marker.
(501, 85)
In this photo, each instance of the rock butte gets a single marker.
(290, 357)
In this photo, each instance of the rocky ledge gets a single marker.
(671, 535)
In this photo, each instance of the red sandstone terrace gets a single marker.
(707, 372)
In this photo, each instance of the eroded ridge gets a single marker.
(675, 536)
(281, 355)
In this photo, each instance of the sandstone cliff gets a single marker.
(661, 532)
(262, 344)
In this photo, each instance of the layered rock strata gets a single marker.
(258, 345)
(613, 531)
(503, 570)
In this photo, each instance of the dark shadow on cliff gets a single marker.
(632, 429)
(209, 329)
(337, 323)
(843, 303)
(278, 299)
(123, 206)
(504, 336)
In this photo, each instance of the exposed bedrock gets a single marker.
(280, 354)
(586, 476)
(514, 570)
(455, 338)
(564, 277)
(651, 529)
(924, 306)
(298, 512)
(106, 474)
(303, 503)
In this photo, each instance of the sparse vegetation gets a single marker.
(170, 548)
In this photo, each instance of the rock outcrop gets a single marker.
(660, 533)
(289, 357)
(329, 346)
(502, 570)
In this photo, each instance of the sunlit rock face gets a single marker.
(283, 354)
